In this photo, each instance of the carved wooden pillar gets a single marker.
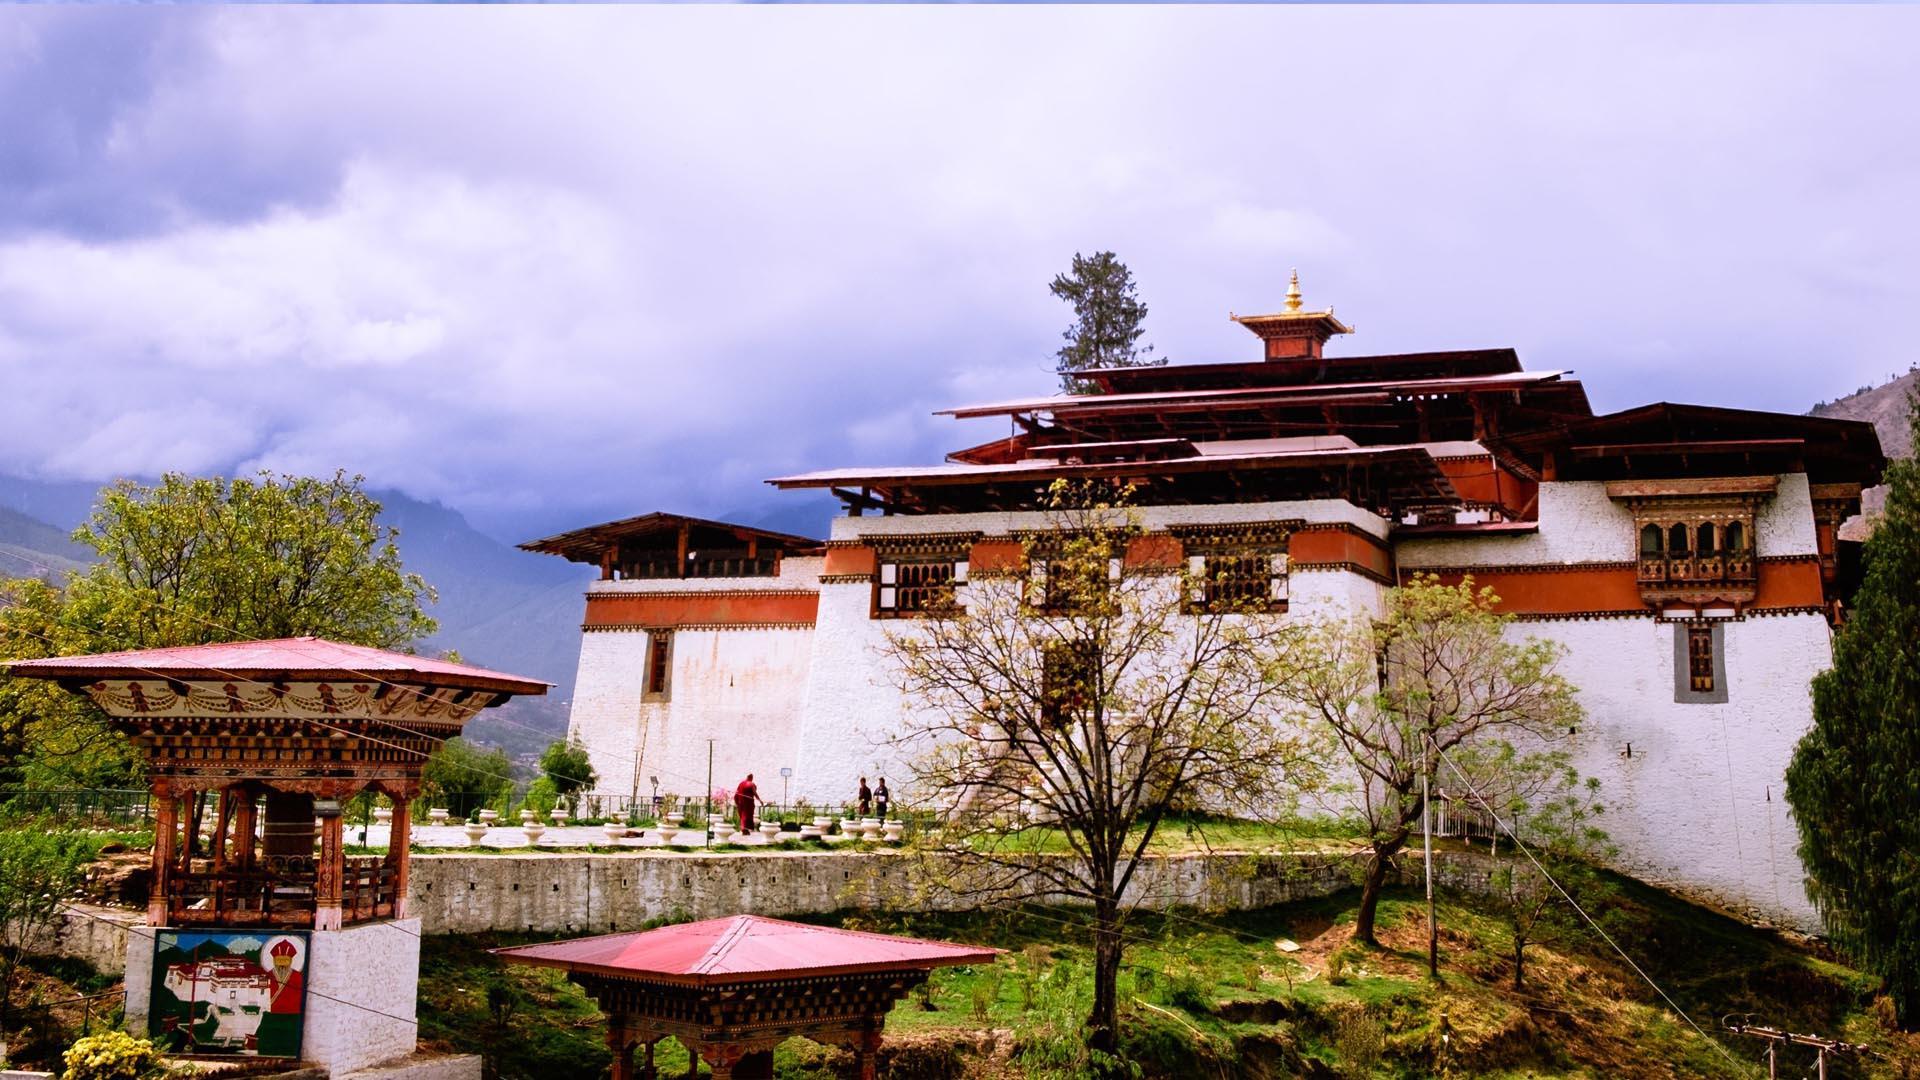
(400, 836)
(647, 1069)
(245, 820)
(165, 827)
(622, 1047)
(222, 819)
(327, 878)
(866, 1055)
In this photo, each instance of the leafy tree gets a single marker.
(567, 767)
(1436, 675)
(1851, 783)
(464, 778)
(1083, 701)
(191, 561)
(1107, 318)
(1555, 811)
(39, 867)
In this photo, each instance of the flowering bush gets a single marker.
(114, 1055)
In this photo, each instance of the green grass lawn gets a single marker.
(1219, 997)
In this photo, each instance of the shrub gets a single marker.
(113, 1055)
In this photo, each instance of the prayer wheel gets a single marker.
(289, 825)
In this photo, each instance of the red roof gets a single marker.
(296, 658)
(743, 948)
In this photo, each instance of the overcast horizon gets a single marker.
(549, 266)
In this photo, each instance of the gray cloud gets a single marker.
(546, 264)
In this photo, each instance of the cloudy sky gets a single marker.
(554, 265)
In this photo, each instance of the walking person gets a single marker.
(881, 797)
(744, 797)
(866, 798)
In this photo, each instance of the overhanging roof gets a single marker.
(297, 658)
(586, 544)
(1668, 438)
(1242, 396)
(743, 948)
(1048, 470)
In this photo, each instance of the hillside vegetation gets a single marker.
(1225, 996)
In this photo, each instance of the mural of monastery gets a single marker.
(229, 992)
(1686, 555)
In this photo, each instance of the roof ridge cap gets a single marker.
(721, 945)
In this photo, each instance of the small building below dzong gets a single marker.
(1688, 557)
(732, 989)
(264, 937)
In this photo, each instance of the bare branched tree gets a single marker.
(1436, 675)
(1059, 711)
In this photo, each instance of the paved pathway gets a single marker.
(565, 836)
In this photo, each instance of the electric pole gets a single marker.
(1776, 1037)
(1426, 835)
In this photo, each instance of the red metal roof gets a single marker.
(1243, 395)
(743, 948)
(296, 657)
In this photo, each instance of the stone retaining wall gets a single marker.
(605, 893)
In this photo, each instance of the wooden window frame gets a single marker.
(1212, 553)
(1061, 660)
(657, 677)
(890, 589)
(1700, 662)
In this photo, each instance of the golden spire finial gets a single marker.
(1293, 293)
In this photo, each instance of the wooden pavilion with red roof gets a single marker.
(276, 734)
(732, 989)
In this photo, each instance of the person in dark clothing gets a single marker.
(866, 798)
(744, 797)
(881, 797)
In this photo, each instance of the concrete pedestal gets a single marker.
(363, 987)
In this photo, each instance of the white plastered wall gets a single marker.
(1699, 804)
(742, 687)
(854, 706)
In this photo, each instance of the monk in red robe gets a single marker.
(744, 796)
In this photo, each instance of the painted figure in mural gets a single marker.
(866, 798)
(881, 796)
(744, 797)
(280, 1028)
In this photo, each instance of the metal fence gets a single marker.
(120, 806)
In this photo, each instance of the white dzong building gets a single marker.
(1687, 557)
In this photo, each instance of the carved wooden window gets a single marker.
(919, 577)
(659, 673)
(1063, 584)
(1700, 658)
(1243, 569)
(1068, 681)
(1652, 541)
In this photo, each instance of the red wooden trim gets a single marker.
(670, 610)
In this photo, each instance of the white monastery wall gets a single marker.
(1699, 804)
(1580, 524)
(740, 687)
(853, 706)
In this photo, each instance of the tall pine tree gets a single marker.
(1108, 318)
(1854, 783)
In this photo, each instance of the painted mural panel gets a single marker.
(239, 992)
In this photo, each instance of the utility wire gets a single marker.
(1575, 904)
